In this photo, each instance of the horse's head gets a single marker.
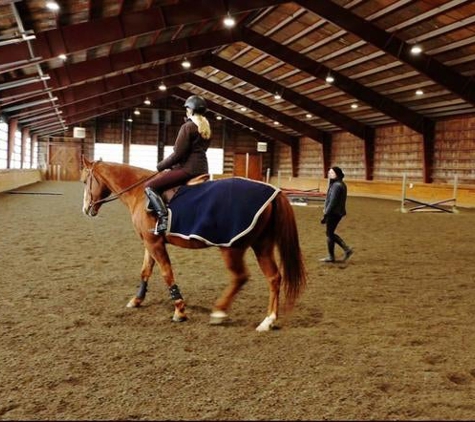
(95, 189)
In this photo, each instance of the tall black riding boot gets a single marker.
(347, 250)
(160, 208)
(331, 251)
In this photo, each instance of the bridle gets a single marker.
(91, 177)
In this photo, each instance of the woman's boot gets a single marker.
(160, 208)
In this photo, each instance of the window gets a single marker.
(27, 158)
(215, 158)
(34, 163)
(3, 145)
(16, 156)
(144, 156)
(109, 152)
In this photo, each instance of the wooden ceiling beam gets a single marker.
(457, 83)
(379, 102)
(264, 129)
(292, 123)
(344, 122)
(82, 36)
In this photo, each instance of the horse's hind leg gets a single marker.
(265, 257)
(146, 273)
(234, 260)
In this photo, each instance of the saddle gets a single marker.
(170, 193)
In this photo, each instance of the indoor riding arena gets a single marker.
(383, 89)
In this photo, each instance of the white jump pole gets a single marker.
(403, 197)
(267, 175)
(454, 207)
(247, 165)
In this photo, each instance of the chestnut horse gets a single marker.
(275, 227)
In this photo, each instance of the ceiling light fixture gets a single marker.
(52, 5)
(329, 79)
(62, 57)
(130, 120)
(185, 63)
(354, 105)
(137, 112)
(308, 116)
(147, 101)
(419, 92)
(219, 117)
(277, 96)
(276, 123)
(162, 86)
(416, 49)
(229, 21)
(243, 109)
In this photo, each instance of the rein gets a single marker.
(115, 196)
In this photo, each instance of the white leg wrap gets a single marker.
(267, 324)
(217, 317)
(132, 304)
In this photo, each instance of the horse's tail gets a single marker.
(286, 234)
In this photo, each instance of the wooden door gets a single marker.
(248, 165)
(64, 161)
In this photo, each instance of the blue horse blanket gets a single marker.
(219, 212)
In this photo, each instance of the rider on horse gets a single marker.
(188, 159)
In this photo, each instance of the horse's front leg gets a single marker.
(159, 253)
(146, 273)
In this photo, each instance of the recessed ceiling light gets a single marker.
(185, 63)
(52, 5)
(416, 49)
(229, 21)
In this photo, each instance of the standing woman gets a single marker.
(188, 159)
(333, 211)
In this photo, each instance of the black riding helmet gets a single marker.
(197, 104)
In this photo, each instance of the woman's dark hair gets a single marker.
(339, 172)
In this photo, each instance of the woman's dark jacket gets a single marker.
(189, 151)
(335, 202)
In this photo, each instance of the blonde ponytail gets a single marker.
(202, 122)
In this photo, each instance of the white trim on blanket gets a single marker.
(239, 235)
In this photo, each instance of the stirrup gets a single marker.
(160, 227)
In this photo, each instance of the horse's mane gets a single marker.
(125, 171)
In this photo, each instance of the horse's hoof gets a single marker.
(134, 303)
(217, 318)
(176, 318)
(267, 324)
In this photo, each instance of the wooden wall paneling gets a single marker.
(348, 153)
(454, 151)
(311, 159)
(398, 150)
